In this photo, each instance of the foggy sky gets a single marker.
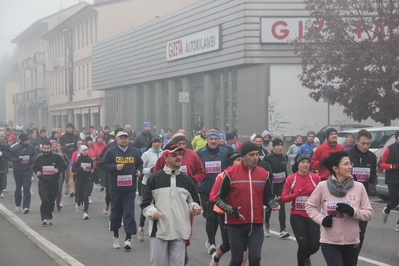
(17, 15)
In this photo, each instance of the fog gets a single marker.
(17, 15)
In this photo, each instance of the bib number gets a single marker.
(279, 177)
(86, 166)
(362, 173)
(213, 167)
(300, 202)
(25, 159)
(48, 170)
(125, 180)
(331, 209)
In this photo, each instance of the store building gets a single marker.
(221, 64)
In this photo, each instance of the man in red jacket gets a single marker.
(324, 150)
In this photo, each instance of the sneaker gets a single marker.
(58, 208)
(45, 223)
(308, 262)
(128, 245)
(266, 230)
(66, 190)
(102, 189)
(50, 222)
(384, 216)
(397, 228)
(85, 216)
(208, 246)
(1, 195)
(116, 243)
(213, 262)
(140, 235)
(106, 208)
(78, 208)
(4, 190)
(96, 187)
(213, 249)
(284, 234)
(90, 201)
(72, 194)
(26, 211)
(31, 192)
(17, 209)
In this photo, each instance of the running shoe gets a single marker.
(31, 192)
(90, 201)
(1, 195)
(384, 216)
(45, 223)
(106, 208)
(140, 235)
(128, 245)
(212, 249)
(213, 262)
(102, 189)
(85, 216)
(58, 208)
(26, 211)
(116, 243)
(17, 209)
(266, 230)
(72, 194)
(78, 208)
(4, 190)
(66, 190)
(397, 228)
(208, 247)
(96, 187)
(284, 234)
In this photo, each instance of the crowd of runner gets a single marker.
(234, 185)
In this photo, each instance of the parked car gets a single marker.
(340, 127)
(379, 136)
(381, 187)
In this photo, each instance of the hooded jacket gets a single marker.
(321, 152)
(149, 158)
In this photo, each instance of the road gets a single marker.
(73, 241)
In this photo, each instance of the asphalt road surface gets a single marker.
(74, 241)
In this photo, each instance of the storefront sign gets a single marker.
(286, 29)
(197, 43)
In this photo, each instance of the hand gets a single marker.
(156, 215)
(120, 166)
(55, 170)
(151, 170)
(345, 208)
(234, 211)
(138, 173)
(197, 210)
(38, 173)
(327, 221)
(91, 170)
(298, 192)
(393, 166)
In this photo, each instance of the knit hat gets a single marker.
(53, 141)
(172, 148)
(178, 138)
(265, 132)
(311, 133)
(221, 135)
(298, 136)
(247, 147)
(23, 137)
(233, 156)
(229, 136)
(156, 139)
(70, 124)
(316, 139)
(328, 132)
(302, 156)
(2, 134)
(88, 138)
(146, 124)
(277, 142)
(81, 148)
(212, 133)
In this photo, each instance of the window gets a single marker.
(83, 76)
(88, 75)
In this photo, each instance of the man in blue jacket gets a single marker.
(309, 144)
(123, 164)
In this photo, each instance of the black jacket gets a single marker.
(68, 142)
(18, 155)
(364, 160)
(53, 160)
(142, 141)
(278, 163)
(83, 172)
(6, 155)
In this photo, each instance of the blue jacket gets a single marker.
(214, 162)
(121, 181)
(306, 148)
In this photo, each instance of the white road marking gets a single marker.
(359, 258)
(23, 227)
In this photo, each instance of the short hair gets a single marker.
(258, 137)
(349, 134)
(363, 133)
(46, 142)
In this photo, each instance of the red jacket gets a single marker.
(321, 152)
(99, 146)
(298, 188)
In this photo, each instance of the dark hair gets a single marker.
(295, 165)
(46, 142)
(333, 159)
(363, 133)
(258, 137)
(118, 129)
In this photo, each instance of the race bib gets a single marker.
(48, 170)
(40, 147)
(25, 159)
(213, 167)
(300, 202)
(362, 173)
(279, 177)
(331, 207)
(183, 169)
(86, 166)
(125, 180)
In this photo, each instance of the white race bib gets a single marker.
(362, 173)
(48, 170)
(86, 166)
(183, 169)
(279, 177)
(330, 208)
(25, 159)
(213, 167)
(125, 180)
(300, 202)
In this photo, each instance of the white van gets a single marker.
(379, 135)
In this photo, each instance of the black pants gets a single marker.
(3, 178)
(393, 190)
(83, 188)
(47, 192)
(225, 246)
(142, 217)
(211, 217)
(362, 226)
(340, 255)
(107, 188)
(281, 215)
(307, 234)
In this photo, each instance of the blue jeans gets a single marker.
(22, 179)
(243, 237)
(340, 255)
(122, 206)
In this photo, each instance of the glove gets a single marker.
(151, 170)
(345, 208)
(234, 211)
(327, 221)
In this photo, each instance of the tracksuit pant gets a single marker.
(122, 207)
(47, 192)
(167, 252)
(22, 180)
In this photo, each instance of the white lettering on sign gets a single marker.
(285, 30)
(197, 43)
